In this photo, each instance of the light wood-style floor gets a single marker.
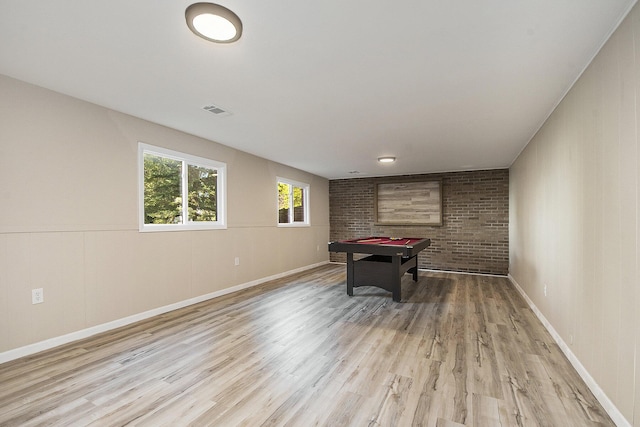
(460, 350)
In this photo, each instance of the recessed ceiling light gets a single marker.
(213, 22)
(386, 159)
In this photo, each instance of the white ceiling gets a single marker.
(325, 86)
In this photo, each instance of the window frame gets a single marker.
(186, 159)
(306, 190)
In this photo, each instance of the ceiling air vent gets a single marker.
(217, 111)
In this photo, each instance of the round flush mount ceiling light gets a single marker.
(386, 159)
(213, 22)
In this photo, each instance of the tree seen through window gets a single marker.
(163, 192)
(291, 203)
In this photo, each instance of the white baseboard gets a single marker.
(604, 400)
(94, 330)
(461, 272)
(428, 270)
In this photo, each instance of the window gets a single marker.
(167, 179)
(293, 203)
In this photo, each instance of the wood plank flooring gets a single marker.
(459, 351)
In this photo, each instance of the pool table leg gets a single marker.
(350, 274)
(415, 269)
(396, 279)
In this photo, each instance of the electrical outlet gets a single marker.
(570, 338)
(545, 290)
(37, 296)
(237, 261)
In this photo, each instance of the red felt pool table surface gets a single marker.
(378, 245)
(386, 240)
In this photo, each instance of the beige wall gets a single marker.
(69, 219)
(574, 219)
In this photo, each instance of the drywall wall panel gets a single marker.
(574, 219)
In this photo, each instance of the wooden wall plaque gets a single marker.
(409, 203)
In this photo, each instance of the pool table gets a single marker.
(389, 259)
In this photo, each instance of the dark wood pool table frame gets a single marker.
(385, 265)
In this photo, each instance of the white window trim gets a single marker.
(221, 189)
(305, 203)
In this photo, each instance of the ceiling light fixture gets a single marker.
(386, 159)
(213, 22)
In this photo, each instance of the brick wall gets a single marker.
(474, 236)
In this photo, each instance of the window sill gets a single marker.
(154, 228)
(294, 225)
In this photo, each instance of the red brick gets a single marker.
(474, 236)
